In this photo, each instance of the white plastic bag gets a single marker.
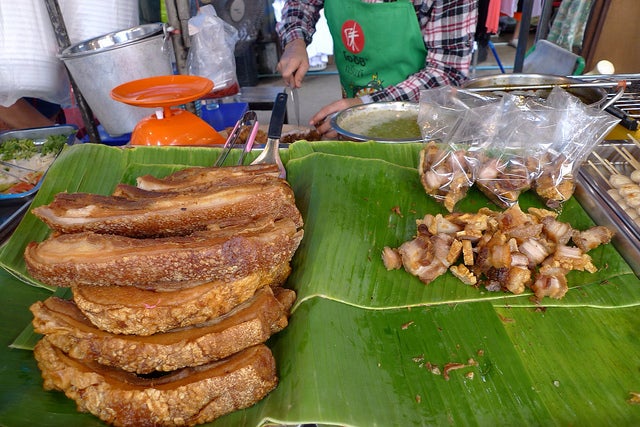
(211, 54)
(85, 20)
(29, 63)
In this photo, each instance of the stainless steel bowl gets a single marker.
(359, 123)
(502, 82)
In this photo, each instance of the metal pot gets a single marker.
(589, 95)
(100, 64)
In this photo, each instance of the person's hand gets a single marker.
(294, 63)
(322, 119)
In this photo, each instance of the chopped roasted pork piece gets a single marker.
(571, 258)
(536, 250)
(555, 183)
(444, 174)
(391, 258)
(592, 238)
(464, 274)
(503, 180)
(427, 257)
(550, 282)
(557, 231)
(501, 251)
(439, 224)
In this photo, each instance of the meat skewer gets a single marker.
(627, 156)
(616, 180)
(624, 191)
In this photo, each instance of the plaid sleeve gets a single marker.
(448, 28)
(299, 18)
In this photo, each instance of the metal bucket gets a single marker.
(102, 63)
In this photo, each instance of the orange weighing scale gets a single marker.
(168, 126)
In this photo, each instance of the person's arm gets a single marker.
(22, 115)
(448, 29)
(295, 30)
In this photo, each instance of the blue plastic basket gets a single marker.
(223, 115)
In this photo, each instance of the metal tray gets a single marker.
(39, 136)
(591, 191)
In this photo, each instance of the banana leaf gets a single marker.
(366, 346)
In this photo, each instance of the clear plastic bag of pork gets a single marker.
(444, 172)
(441, 107)
(577, 129)
(505, 141)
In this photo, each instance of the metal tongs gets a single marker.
(6, 166)
(248, 119)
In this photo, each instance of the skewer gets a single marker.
(635, 141)
(607, 164)
(632, 159)
(616, 180)
(595, 168)
(627, 156)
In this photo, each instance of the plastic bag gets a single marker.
(578, 128)
(445, 173)
(29, 63)
(444, 170)
(509, 145)
(441, 107)
(211, 54)
(500, 151)
(85, 20)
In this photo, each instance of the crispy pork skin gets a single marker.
(223, 254)
(201, 176)
(131, 310)
(175, 213)
(185, 397)
(248, 324)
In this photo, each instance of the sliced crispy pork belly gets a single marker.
(248, 324)
(185, 397)
(130, 310)
(197, 176)
(224, 254)
(175, 213)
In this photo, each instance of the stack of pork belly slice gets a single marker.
(177, 284)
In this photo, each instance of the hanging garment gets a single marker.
(493, 16)
(567, 28)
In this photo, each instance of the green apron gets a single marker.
(375, 44)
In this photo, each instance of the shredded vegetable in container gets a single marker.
(25, 157)
(23, 162)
